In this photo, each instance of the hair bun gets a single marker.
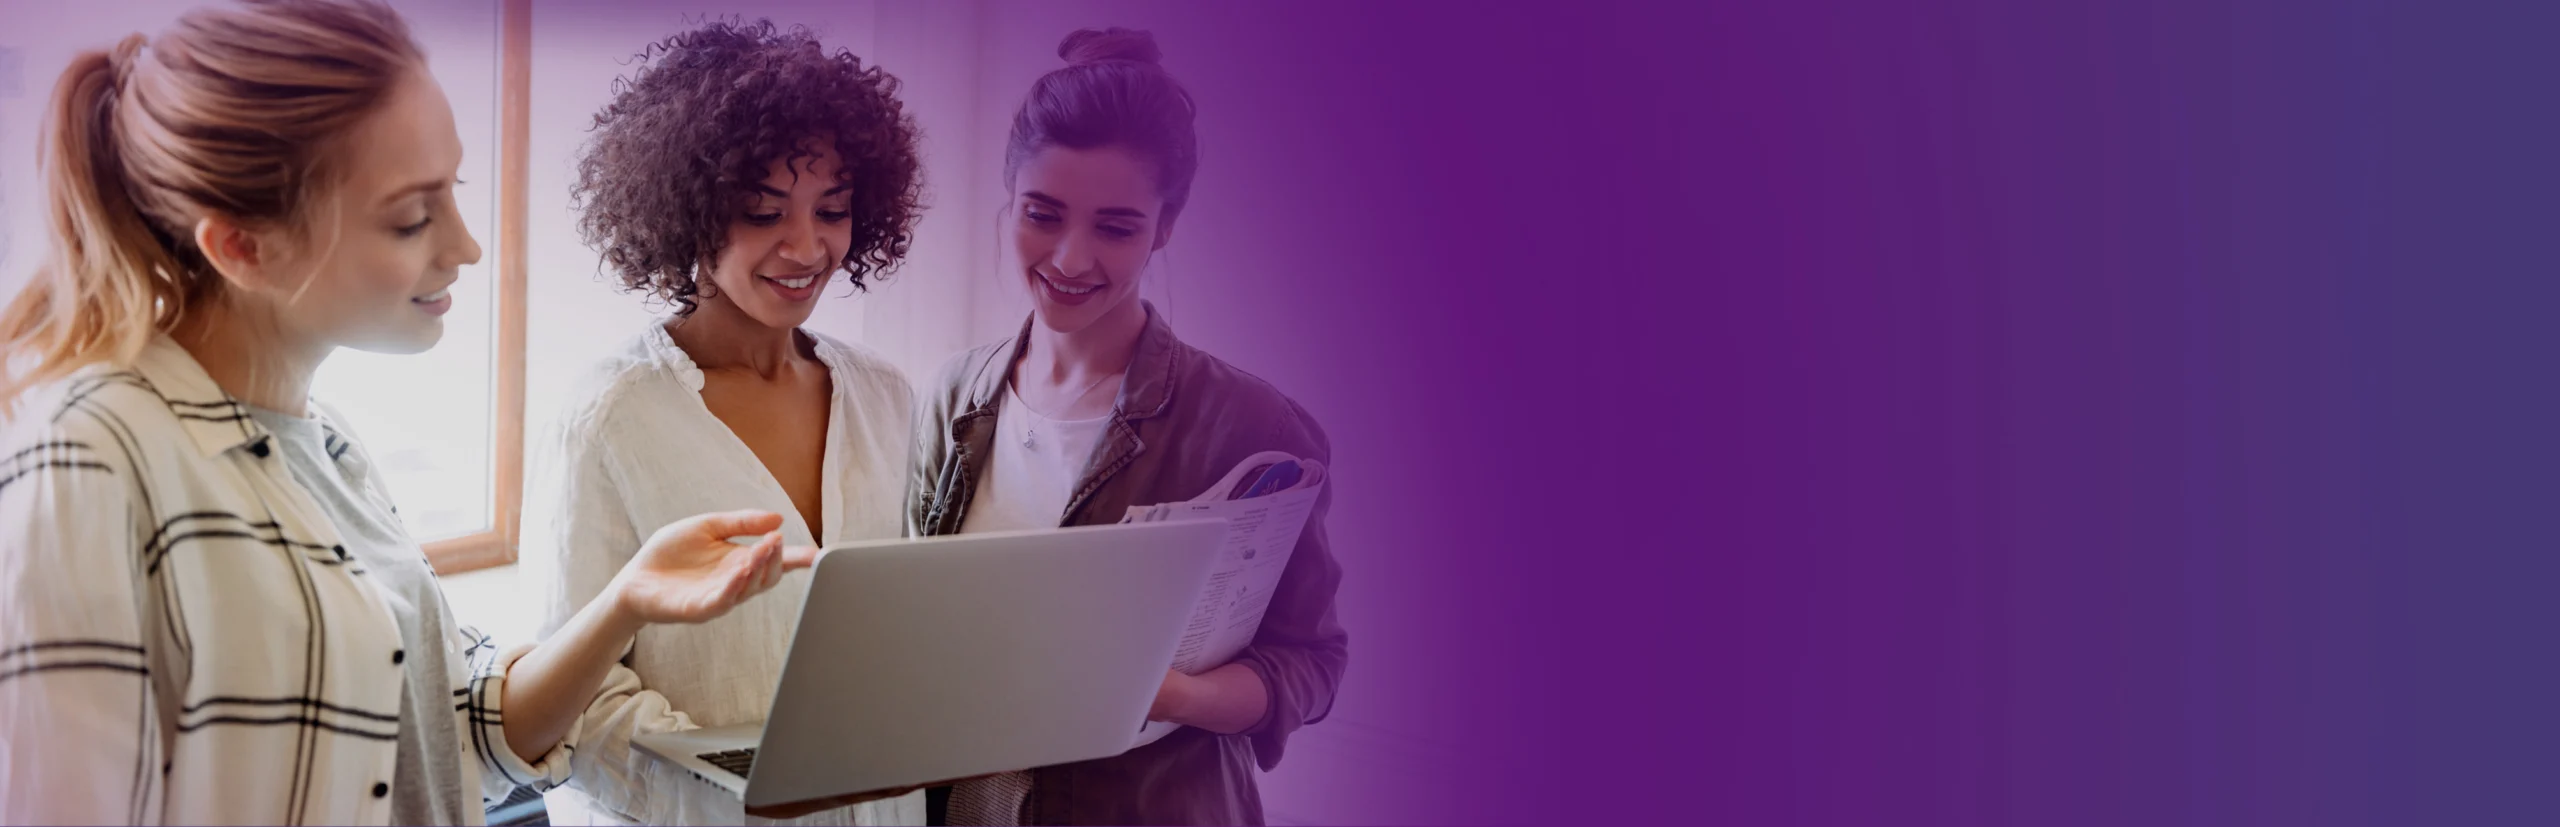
(1115, 43)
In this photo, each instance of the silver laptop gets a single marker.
(924, 661)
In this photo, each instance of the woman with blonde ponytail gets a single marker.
(208, 609)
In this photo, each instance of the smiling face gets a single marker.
(372, 266)
(1084, 223)
(788, 240)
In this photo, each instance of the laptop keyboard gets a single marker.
(734, 760)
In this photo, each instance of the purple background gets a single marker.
(1953, 413)
(1842, 412)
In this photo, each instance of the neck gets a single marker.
(719, 336)
(1100, 349)
(250, 357)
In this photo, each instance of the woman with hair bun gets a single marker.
(1095, 406)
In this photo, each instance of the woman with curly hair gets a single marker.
(736, 175)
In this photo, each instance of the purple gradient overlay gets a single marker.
(1949, 413)
(1841, 412)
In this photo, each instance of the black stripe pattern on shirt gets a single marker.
(209, 525)
(70, 655)
(50, 455)
(289, 711)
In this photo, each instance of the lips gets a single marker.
(436, 303)
(794, 288)
(1066, 292)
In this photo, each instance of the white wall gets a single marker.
(924, 314)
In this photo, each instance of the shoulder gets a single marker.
(77, 460)
(966, 369)
(877, 376)
(116, 417)
(608, 388)
(1239, 402)
(80, 454)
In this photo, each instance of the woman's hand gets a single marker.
(1226, 700)
(1173, 699)
(689, 572)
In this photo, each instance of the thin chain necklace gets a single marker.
(1031, 433)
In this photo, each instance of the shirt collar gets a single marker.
(215, 421)
(664, 351)
(1144, 393)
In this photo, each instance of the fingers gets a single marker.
(758, 568)
(768, 562)
(740, 572)
(753, 559)
(725, 524)
(743, 572)
(795, 558)
(772, 566)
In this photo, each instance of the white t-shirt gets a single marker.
(1033, 469)
(1031, 472)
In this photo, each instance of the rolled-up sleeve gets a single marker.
(501, 769)
(1301, 650)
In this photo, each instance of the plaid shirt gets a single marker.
(183, 638)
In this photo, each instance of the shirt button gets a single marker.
(398, 655)
(341, 551)
(259, 448)
(381, 789)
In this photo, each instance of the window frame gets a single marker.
(496, 545)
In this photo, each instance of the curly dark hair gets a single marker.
(696, 126)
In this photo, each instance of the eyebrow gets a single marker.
(414, 189)
(780, 194)
(1045, 198)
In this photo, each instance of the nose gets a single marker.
(1073, 257)
(800, 244)
(469, 249)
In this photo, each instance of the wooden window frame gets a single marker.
(496, 545)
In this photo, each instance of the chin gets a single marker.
(1069, 319)
(1065, 320)
(782, 318)
(415, 340)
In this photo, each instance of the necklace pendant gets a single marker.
(1030, 436)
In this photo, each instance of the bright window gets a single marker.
(429, 419)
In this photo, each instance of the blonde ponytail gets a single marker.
(99, 291)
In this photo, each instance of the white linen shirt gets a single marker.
(636, 449)
(183, 636)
